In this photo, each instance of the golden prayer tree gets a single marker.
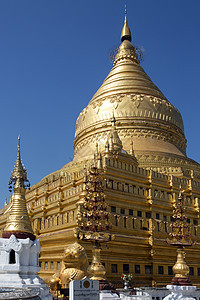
(93, 216)
(180, 237)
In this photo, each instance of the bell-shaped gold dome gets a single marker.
(142, 112)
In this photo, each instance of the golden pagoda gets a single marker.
(18, 221)
(141, 140)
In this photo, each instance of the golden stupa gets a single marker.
(18, 221)
(140, 137)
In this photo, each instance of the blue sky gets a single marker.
(54, 54)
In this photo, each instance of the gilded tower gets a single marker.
(140, 137)
(18, 221)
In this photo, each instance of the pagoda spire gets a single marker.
(18, 221)
(116, 143)
(126, 33)
(19, 173)
(131, 150)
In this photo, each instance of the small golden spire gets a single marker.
(97, 148)
(18, 221)
(5, 202)
(107, 146)
(126, 33)
(19, 174)
(18, 146)
(116, 143)
(113, 121)
(131, 150)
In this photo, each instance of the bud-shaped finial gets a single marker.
(126, 33)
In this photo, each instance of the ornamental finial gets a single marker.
(18, 146)
(113, 120)
(19, 173)
(126, 33)
(131, 150)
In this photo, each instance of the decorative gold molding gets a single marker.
(144, 106)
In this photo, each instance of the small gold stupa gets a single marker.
(18, 221)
